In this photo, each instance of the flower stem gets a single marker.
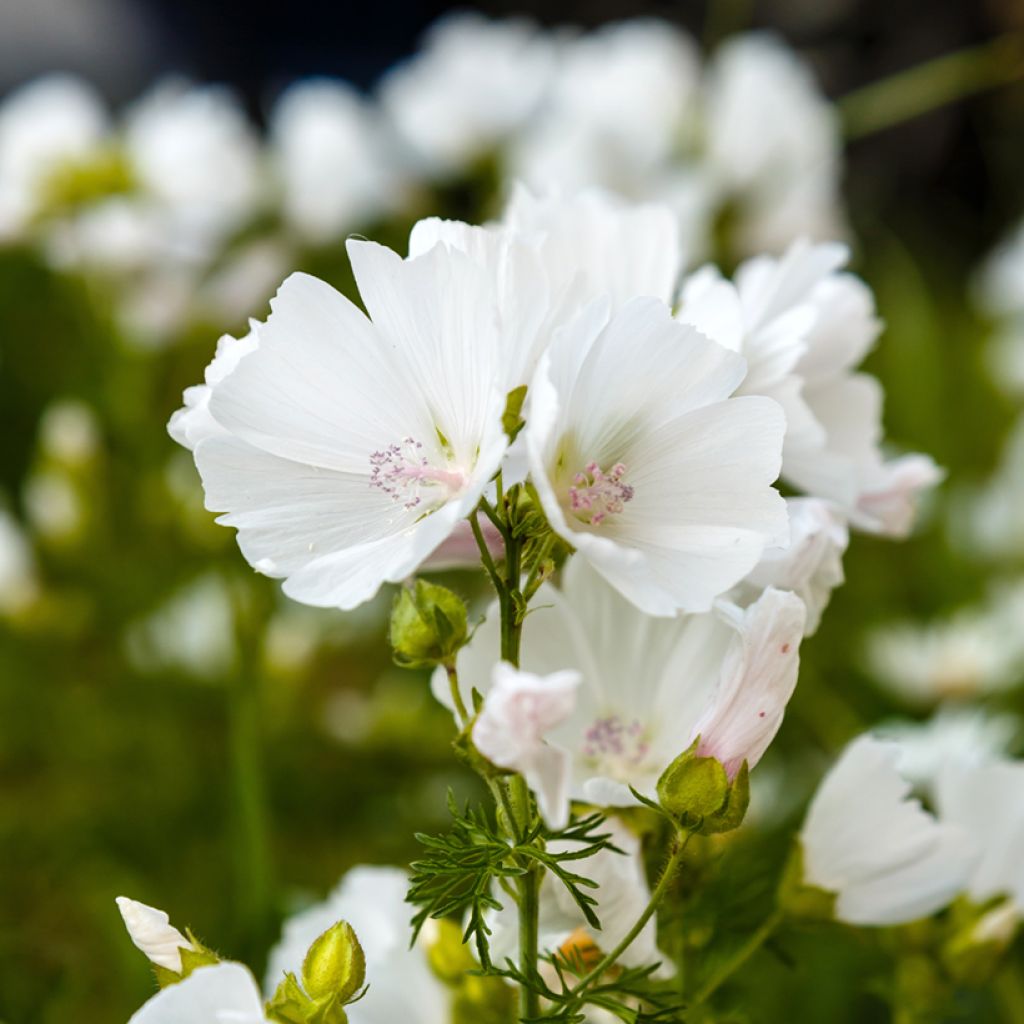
(660, 888)
(460, 704)
(740, 957)
(918, 90)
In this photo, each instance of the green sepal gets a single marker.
(512, 419)
(697, 794)
(191, 959)
(289, 1004)
(799, 900)
(428, 625)
(733, 811)
(334, 966)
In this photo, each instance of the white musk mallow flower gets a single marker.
(519, 710)
(883, 857)
(645, 463)
(224, 993)
(649, 686)
(153, 934)
(345, 449)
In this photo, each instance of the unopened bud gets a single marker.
(428, 625)
(335, 965)
(697, 793)
(152, 932)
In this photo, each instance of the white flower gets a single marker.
(646, 465)
(957, 735)
(473, 83)
(886, 859)
(225, 993)
(987, 800)
(347, 449)
(47, 125)
(967, 654)
(622, 893)
(519, 710)
(811, 565)
(152, 932)
(998, 293)
(773, 143)
(329, 158)
(401, 985)
(803, 327)
(19, 585)
(194, 154)
(650, 685)
(69, 432)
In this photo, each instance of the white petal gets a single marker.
(152, 932)
(222, 994)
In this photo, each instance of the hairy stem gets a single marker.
(740, 957)
(928, 86)
(460, 704)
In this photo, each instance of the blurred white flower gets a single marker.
(46, 126)
(519, 710)
(622, 893)
(225, 993)
(886, 859)
(194, 153)
(957, 735)
(330, 160)
(968, 654)
(152, 932)
(69, 432)
(646, 465)
(347, 448)
(987, 800)
(811, 565)
(773, 144)
(473, 83)
(19, 586)
(998, 292)
(803, 326)
(53, 505)
(401, 985)
(650, 685)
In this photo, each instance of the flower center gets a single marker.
(619, 747)
(595, 495)
(405, 473)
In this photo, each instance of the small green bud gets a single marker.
(334, 965)
(697, 793)
(799, 900)
(448, 956)
(428, 625)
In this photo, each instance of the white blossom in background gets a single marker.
(622, 893)
(645, 463)
(19, 584)
(473, 84)
(958, 735)
(196, 158)
(773, 144)
(53, 504)
(987, 799)
(69, 432)
(811, 565)
(345, 449)
(152, 933)
(225, 993)
(886, 859)
(650, 685)
(803, 326)
(969, 654)
(330, 159)
(998, 292)
(519, 710)
(47, 126)
(402, 986)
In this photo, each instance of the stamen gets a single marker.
(616, 745)
(596, 495)
(404, 472)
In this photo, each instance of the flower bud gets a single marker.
(697, 792)
(152, 932)
(428, 625)
(335, 965)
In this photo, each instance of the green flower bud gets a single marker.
(335, 965)
(428, 625)
(448, 956)
(697, 793)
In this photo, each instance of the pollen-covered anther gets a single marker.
(404, 472)
(595, 495)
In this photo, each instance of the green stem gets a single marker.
(740, 957)
(460, 704)
(928, 86)
(667, 874)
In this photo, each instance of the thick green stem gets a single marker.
(460, 704)
(928, 86)
(739, 958)
(657, 895)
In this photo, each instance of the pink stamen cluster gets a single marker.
(612, 738)
(596, 495)
(401, 470)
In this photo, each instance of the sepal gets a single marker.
(696, 792)
(428, 625)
